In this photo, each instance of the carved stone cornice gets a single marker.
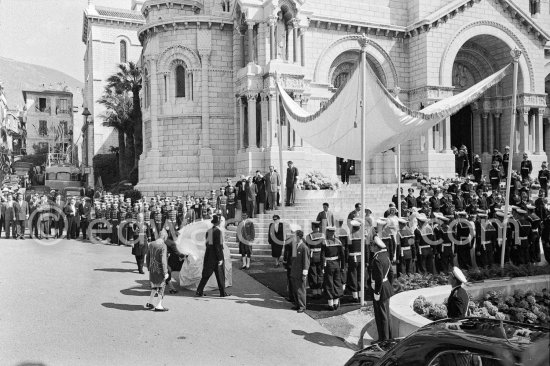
(183, 22)
(194, 5)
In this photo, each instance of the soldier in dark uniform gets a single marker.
(545, 238)
(476, 169)
(380, 280)
(496, 158)
(526, 168)
(115, 221)
(171, 223)
(505, 160)
(540, 206)
(342, 235)
(231, 203)
(423, 236)
(464, 232)
(437, 244)
(221, 202)
(486, 236)
(157, 217)
(521, 253)
(213, 259)
(457, 304)
(445, 235)
(410, 199)
(140, 240)
(405, 249)
(354, 260)
(288, 256)
(534, 238)
(494, 177)
(332, 254)
(544, 177)
(314, 241)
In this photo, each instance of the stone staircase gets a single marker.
(308, 205)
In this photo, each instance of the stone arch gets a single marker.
(491, 28)
(288, 7)
(375, 52)
(178, 52)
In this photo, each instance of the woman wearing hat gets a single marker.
(246, 234)
(457, 304)
(276, 238)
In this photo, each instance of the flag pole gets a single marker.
(363, 41)
(515, 57)
(280, 142)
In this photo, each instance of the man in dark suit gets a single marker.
(9, 216)
(291, 182)
(298, 272)
(381, 278)
(21, 216)
(260, 183)
(326, 218)
(272, 186)
(213, 259)
(84, 210)
(457, 305)
(70, 212)
(251, 191)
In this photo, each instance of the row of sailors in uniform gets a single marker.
(430, 248)
(335, 262)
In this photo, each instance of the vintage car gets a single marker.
(462, 342)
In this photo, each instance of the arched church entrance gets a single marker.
(340, 71)
(481, 126)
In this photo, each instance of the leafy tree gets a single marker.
(118, 109)
(127, 80)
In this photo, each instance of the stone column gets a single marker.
(484, 137)
(447, 134)
(295, 24)
(498, 127)
(250, 31)
(264, 142)
(243, 53)
(152, 166)
(491, 134)
(205, 99)
(303, 32)
(272, 41)
(539, 131)
(273, 140)
(524, 130)
(241, 122)
(252, 121)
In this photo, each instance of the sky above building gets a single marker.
(47, 32)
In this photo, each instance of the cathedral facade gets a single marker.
(209, 70)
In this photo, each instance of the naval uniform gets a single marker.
(314, 241)
(544, 177)
(381, 279)
(522, 252)
(494, 179)
(534, 238)
(354, 262)
(332, 253)
(457, 304)
(423, 237)
(486, 240)
(526, 169)
(115, 220)
(465, 244)
(342, 235)
(405, 251)
(447, 248)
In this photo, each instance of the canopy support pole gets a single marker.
(363, 41)
(515, 56)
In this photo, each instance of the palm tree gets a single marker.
(128, 80)
(117, 115)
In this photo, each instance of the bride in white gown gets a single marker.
(192, 242)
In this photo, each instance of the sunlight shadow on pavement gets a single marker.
(321, 339)
(125, 307)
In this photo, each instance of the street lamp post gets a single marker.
(87, 164)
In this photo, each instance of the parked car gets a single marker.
(461, 342)
(72, 191)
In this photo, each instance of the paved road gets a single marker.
(75, 303)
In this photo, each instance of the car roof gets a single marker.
(485, 332)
